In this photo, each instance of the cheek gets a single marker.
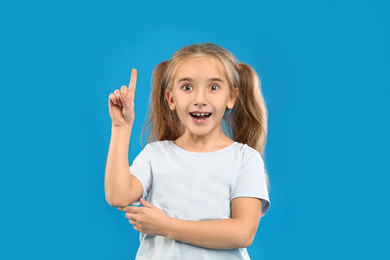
(182, 102)
(181, 111)
(221, 104)
(180, 107)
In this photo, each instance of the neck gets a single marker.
(203, 144)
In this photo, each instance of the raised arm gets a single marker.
(121, 188)
(236, 232)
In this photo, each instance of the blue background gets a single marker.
(324, 67)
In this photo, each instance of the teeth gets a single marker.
(201, 114)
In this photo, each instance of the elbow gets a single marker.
(117, 202)
(246, 238)
(247, 241)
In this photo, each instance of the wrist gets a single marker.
(168, 230)
(123, 128)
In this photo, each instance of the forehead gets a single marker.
(200, 68)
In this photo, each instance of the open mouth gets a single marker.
(200, 116)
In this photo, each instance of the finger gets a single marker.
(112, 98)
(136, 228)
(129, 98)
(122, 208)
(124, 95)
(130, 209)
(145, 203)
(124, 90)
(131, 216)
(117, 94)
(133, 80)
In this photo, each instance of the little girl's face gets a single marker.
(200, 96)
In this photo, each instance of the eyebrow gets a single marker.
(191, 80)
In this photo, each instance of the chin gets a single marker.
(200, 132)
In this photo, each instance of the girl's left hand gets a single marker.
(147, 219)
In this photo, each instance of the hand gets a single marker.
(147, 219)
(121, 103)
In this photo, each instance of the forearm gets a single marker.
(215, 234)
(117, 180)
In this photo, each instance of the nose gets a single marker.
(200, 98)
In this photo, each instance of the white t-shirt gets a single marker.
(196, 186)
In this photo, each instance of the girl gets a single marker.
(202, 185)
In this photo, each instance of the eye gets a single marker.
(187, 87)
(214, 87)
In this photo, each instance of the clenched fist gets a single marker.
(121, 103)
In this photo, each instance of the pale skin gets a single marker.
(123, 189)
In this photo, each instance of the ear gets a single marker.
(170, 100)
(233, 98)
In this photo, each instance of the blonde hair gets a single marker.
(245, 123)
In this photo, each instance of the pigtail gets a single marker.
(249, 116)
(162, 121)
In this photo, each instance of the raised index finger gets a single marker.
(133, 80)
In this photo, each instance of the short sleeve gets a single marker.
(251, 181)
(141, 169)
